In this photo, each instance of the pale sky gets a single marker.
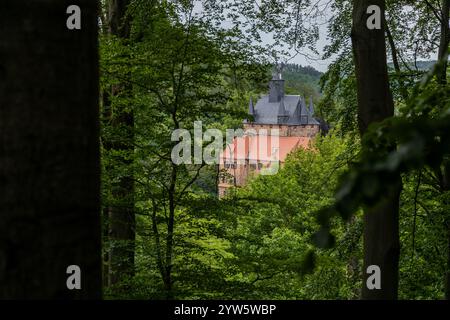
(316, 61)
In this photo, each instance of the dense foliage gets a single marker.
(290, 235)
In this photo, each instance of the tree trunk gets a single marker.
(170, 236)
(375, 103)
(447, 275)
(444, 39)
(49, 151)
(442, 79)
(118, 21)
(445, 187)
(122, 224)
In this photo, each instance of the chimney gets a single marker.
(276, 88)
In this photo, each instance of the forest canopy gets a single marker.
(308, 231)
(191, 149)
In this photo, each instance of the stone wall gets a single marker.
(309, 130)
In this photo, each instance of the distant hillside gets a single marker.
(425, 65)
(421, 65)
(302, 80)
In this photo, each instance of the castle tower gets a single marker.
(276, 88)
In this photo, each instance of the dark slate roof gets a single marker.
(278, 108)
(296, 111)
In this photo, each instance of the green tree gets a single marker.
(273, 220)
(182, 70)
(118, 149)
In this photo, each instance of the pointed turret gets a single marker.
(251, 108)
(297, 112)
(251, 112)
(311, 119)
(311, 107)
(283, 115)
(304, 113)
(281, 108)
(295, 116)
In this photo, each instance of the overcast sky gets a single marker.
(316, 61)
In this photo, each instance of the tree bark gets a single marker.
(118, 21)
(445, 188)
(122, 224)
(170, 233)
(375, 103)
(447, 275)
(442, 79)
(444, 39)
(49, 150)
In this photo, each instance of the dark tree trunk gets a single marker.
(447, 275)
(375, 103)
(445, 187)
(444, 39)
(49, 150)
(442, 79)
(118, 21)
(170, 234)
(122, 222)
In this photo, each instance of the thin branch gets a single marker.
(434, 10)
(258, 278)
(123, 79)
(190, 182)
(159, 260)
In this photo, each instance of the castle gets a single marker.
(282, 123)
